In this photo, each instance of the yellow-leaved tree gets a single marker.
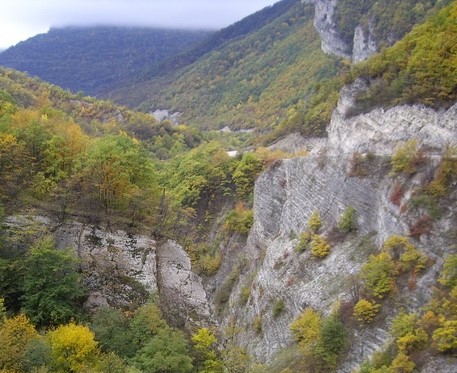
(73, 347)
(15, 334)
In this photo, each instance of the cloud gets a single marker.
(20, 17)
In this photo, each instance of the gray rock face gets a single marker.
(109, 260)
(364, 44)
(380, 130)
(294, 142)
(161, 115)
(121, 269)
(290, 190)
(181, 292)
(324, 24)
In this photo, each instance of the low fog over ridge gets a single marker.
(20, 20)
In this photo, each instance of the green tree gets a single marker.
(112, 332)
(111, 363)
(52, 285)
(145, 324)
(198, 175)
(236, 359)
(449, 273)
(245, 174)
(2, 310)
(207, 360)
(332, 341)
(37, 355)
(166, 352)
(119, 172)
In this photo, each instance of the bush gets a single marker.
(315, 222)
(378, 275)
(409, 335)
(210, 264)
(423, 225)
(359, 165)
(402, 364)
(449, 273)
(445, 173)
(304, 242)
(223, 295)
(239, 220)
(347, 221)
(405, 158)
(320, 248)
(445, 337)
(306, 328)
(410, 259)
(278, 307)
(245, 293)
(397, 194)
(257, 324)
(365, 310)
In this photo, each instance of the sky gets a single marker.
(21, 19)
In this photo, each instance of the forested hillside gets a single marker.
(251, 82)
(96, 60)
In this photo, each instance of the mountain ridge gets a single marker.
(96, 59)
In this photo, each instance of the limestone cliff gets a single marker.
(363, 45)
(290, 190)
(121, 269)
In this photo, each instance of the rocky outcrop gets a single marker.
(380, 130)
(363, 45)
(181, 292)
(161, 115)
(331, 42)
(294, 143)
(119, 268)
(122, 269)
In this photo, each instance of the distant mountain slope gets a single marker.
(276, 76)
(248, 82)
(237, 30)
(97, 59)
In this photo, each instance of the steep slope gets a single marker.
(395, 170)
(96, 60)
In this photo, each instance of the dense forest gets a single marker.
(96, 60)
